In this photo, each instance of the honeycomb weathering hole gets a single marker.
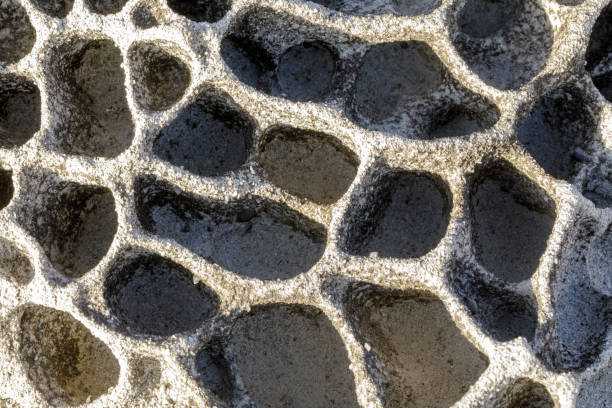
(19, 110)
(292, 356)
(160, 78)
(210, 137)
(502, 314)
(308, 164)
(557, 131)
(54, 8)
(577, 332)
(91, 111)
(392, 74)
(143, 17)
(405, 217)
(105, 7)
(512, 218)
(253, 237)
(6, 187)
(527, 394)
(599, 53)
(505, 43)
(214, 372)
(64, 360)
(397, 7)
(306, 71)
(595, 392)
(17, 35)
(152, 295)
(14, 264)
(208, 11)
(427, 361)
(74, 223)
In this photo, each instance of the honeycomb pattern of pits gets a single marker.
(19, 110)
(308, 164)
(254, 237)
(527, 394)
(6, 187)
(501, 313)
(75, 224)
(427, 361)
(305, 203)
(64, 360)
(505, 43)
(208, 11)
(160, 79)
(54, 8)
(214, 371)
(599, 53)
(404, 85)
(396, 7)
(210, 137)
(98, 120)
(556, 132)
(152, 295)
(583, 312)
(143, 17)
(292, 356)
(512, 218)
(17, 35)
(405, 217)
(105, 7)
(14, 264)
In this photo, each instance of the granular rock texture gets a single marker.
(306, 203)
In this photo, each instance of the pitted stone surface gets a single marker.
(294, 203)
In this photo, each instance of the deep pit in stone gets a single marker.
(105, 7)
(577, 332)
(253, 237)
(308, 164)
(6, 187)
(14, 264)
(501, 313)
(75, 224)
(54, 8)
(208, 11)
(64, 360)
(599, 53)
(19, 110)
(17, 35)
(557, 131)
(153, 295)
(214, 371)
(210, 137)
(505, 43)
(91, 113)
(292, 356)
(143, 17)
(392, 75)
(526, 393)
(396, 7)
(160, 78)
(306, 71)
(427, 361)
(512, 218)
(406, 216)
